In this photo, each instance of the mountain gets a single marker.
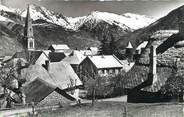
(126, 21)
(50, 27)
(168, 22)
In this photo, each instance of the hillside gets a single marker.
(50, 27)
(168, 22)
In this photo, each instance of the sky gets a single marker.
(74, 8)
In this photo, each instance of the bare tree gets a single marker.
(10, 80)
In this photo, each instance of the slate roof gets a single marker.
(59, 74)
(37, 90)
(76, 57)
(23, 54)
(36, 71)
(62, 74)
(167, 53)
(56, 56)
(105, 61)
(139, 74)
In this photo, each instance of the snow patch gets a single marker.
(5, 8)
(4, 19)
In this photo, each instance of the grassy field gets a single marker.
(117, 109)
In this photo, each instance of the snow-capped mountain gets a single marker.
(5, 8)
(78, 32)
(126, 21)
(38, 12)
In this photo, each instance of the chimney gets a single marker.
(153, 64)
(47, 65)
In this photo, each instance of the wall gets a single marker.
(41, 60)
(87, 69)
(137, 96)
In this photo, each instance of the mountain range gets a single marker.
(50, 27)
(80, 32)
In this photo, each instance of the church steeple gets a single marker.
(28, 32)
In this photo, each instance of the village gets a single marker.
(58, 71)
(62, 76)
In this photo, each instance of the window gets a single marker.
(31, 44)
(110, 71)
(116, 71)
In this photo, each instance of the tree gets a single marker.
(10, 80)
(100, 86)
(109, 45)
(104, 47)
(113, 46)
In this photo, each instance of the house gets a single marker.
(94, 50)
(102, 65)
(74, 59)
(63, 75)
(145, 81)
(58, 47)
(43, 93)
(87, 52)
(140, 47)
(35, 57)
(127, 65)
(56, 56)
(59, 78)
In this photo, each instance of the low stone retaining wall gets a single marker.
(24, 112)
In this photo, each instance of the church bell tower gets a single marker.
(28, 33)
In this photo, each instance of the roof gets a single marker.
(6, 58)
(59, 74)
(167, 53)
(76, 57)
(142, 45)
(139, 74)
(60, 46)
(63, 74)
(56, 98)
(93, 48)
(23, 54)
(56, 56)
(37, 90)
(36, 71)
(127, 65)
(86, 52)
(105, 61)
(129, 45)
